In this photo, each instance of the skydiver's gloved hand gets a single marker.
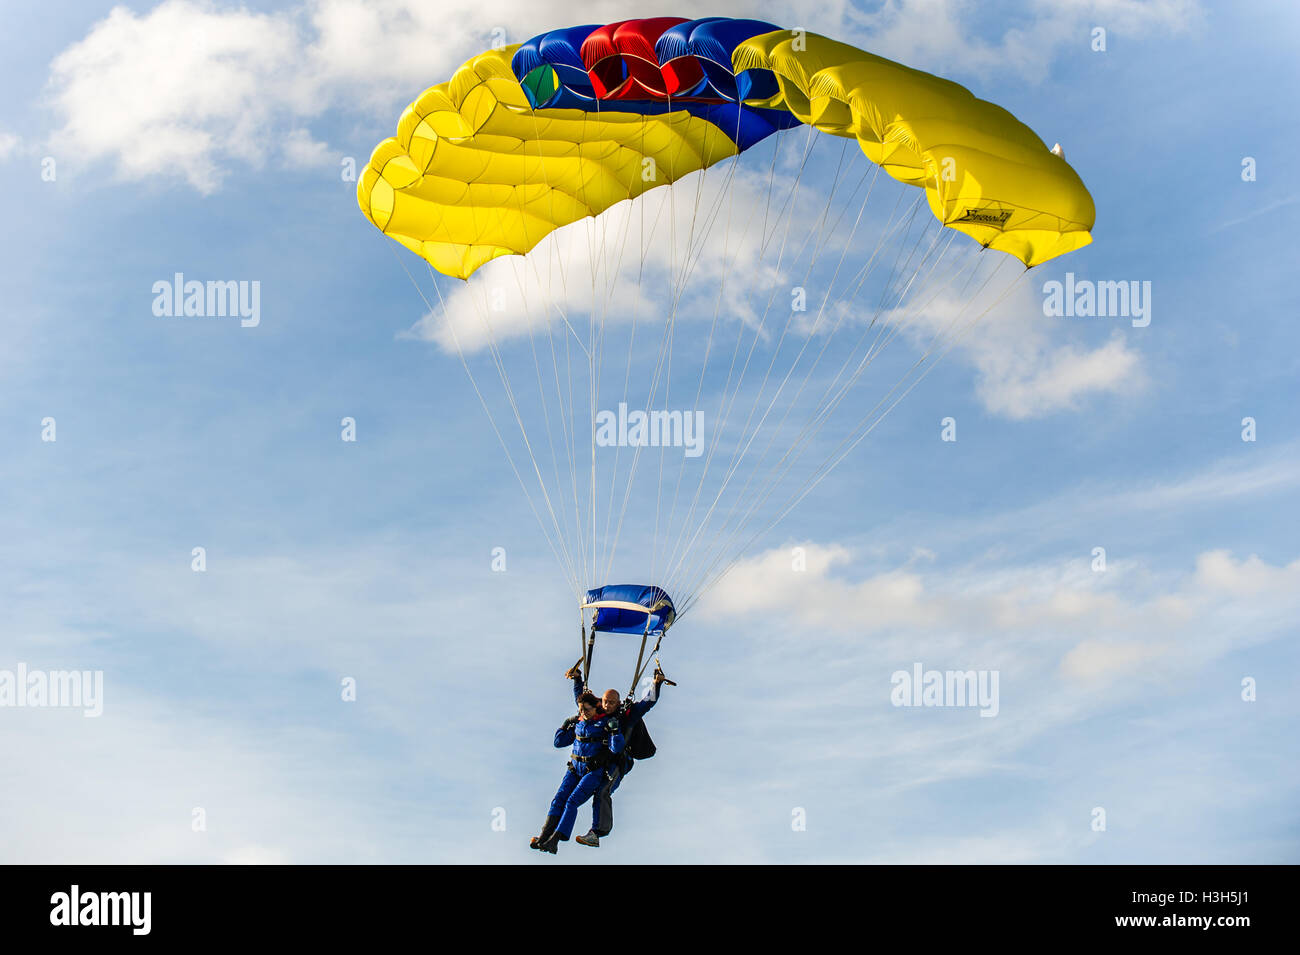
(570, 723)
(573, 672)
(661, 679)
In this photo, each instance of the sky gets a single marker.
(1146, 703)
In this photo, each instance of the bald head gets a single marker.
(609, 701)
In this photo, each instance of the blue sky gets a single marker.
(372, 560)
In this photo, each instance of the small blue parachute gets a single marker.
(631, 608)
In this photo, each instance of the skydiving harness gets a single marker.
(597, 760)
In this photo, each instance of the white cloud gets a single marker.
(1100, 659)
(663, 252)
(126, 786)
(8, 143)
(1217, 571)
(1023, 370)
(943, 34)
(303, 151)
(1038, 380)
(178, 91)
(1112, 623)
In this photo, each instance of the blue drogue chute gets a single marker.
(637, 609)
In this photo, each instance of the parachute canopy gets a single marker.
(630, 608)
(684, 365)
(527, 138)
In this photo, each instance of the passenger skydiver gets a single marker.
(597, 741)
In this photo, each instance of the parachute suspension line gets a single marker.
(613, 278)
(494, 352)
(549, 301)
(497, 359)
(607, 558)
(830, 397)
(612, 542)
(718, 550)
(819, 418)
(726, 396)
(665, 349)
(560, 558)
(627, 379)
(789, 221)
(676, 285)
(665, 344)
(636, 454)
(799, 497)
(753, 473)
(594, 261)
(730, 191)
(758, 330)
(543, 402)
(680, 554)
(547, 297)
(781, 340)
(679, 277)
(681, 469)
(639, 211)
(822, 413)
(566, 437)
(815, 422)
(942, 342)
(579, 510)
(650, 399)
(850, 442)
(739, 453)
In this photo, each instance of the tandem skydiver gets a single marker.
(637, 745)
(596, 742)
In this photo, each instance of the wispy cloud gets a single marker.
(1024, 369)
(943, 34)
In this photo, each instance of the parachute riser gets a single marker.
(588, 647)
(640, 655)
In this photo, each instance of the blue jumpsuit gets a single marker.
(602, 807)
(589, 738)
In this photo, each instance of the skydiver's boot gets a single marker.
(548, 829)
(551, 843)
(590, 839)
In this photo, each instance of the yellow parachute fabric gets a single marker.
(474, 173)
(983, 171)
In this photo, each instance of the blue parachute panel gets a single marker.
(709, 42)
(658, 606)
